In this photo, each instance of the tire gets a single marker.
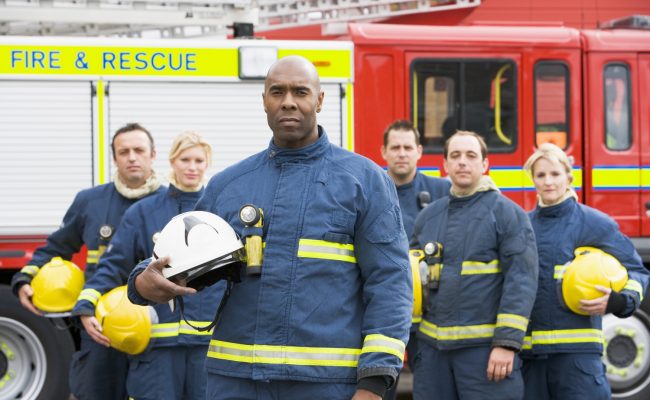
(627, 354)
(34, 354)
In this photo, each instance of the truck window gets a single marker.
(551, 103)
(471, 94)
(618, 123)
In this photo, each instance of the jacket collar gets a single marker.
(308, 153)
(173, 191)
(557, 210)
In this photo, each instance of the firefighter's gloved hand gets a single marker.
(153, 286)
(25, 294)
(94, 330)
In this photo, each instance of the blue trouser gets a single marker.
(168, 373)
(224, 387)
(572, 376)
(98, 372)
(461, 374)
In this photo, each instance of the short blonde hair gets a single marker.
(549, 152)
(187, 140)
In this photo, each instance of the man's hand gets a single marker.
(94, 330)
(596, 306)
(25, 294)
(153, 286)
(362, 394)
(500, 364)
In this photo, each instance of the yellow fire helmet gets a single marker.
(419, 285)
(127, 325)
(56, 287)
(589, 268)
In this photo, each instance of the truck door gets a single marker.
(644, 125)
(45, 152)
(613, 137)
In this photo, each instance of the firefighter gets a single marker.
(97, 372)
(401, 151)
(172, 368)
(329, 314)
(562, 351)
(480, 301)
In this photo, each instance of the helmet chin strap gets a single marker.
(226, 294)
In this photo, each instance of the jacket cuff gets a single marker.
(616, 304)
(83, 307)
(377, 384)
(509, 344)
(131, 291)
(18, 280)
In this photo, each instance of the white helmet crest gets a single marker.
(197, 243)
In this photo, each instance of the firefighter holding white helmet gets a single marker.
(587, 268)
(327, 314)
(171, 368)
(96, 372)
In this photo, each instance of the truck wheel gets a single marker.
(34, 354)
(627, 354)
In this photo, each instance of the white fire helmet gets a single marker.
(202, 248)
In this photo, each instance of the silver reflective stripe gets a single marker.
(457, 332)
(512, 321)
(90, 295)
(634, 286)
(312, 248)
(567, 336)
(290, 355)
(478, 267)
(558, 271)
(187, 329)
(164, 330)
(376, 343)
(30, 270)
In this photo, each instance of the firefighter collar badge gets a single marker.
(105, 232)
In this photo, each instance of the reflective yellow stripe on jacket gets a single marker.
(478, 267)
(376, 343)
(90, 295)
(172, 329)
(308, 356)
(558, 271)
(290, 355)
(94, 255)
(312, 248)
(457, 332)
(512, 321)
(563, 336)
(30, 270)
(634, 286)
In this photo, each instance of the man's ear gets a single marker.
(319, 105)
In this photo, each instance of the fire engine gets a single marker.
(518, 86)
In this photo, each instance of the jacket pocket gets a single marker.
(592, 368)
(79, 379)
(143, 379)
(386, 227)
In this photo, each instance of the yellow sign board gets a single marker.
(91, 60)
(149, 61)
